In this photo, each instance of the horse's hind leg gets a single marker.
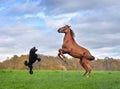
(85, 64)
(89, 69)
(85, 73)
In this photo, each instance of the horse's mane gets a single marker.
(72, 34)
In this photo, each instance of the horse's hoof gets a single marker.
(66, 62)
(87, 76)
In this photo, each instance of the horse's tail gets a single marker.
(26, 63)
(90, 57)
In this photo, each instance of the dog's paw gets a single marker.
(31, 72)
(39, 60)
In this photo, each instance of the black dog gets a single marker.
(32, 58)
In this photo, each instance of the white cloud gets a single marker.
(28, 6)
(41, 15)
(107, 52)
(19, 39)
(54, 24)
(6, 40)
(37, 15)
(2, 8)
(59, 6)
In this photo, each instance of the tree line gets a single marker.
(54, 63)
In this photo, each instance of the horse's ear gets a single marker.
(68, 26)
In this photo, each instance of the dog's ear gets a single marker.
(34, 47)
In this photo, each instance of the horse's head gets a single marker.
(64, 29)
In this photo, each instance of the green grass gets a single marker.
(20, 79)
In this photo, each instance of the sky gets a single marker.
(28, 23)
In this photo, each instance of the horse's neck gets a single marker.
(68, 38)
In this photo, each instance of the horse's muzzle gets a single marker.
(59, 30)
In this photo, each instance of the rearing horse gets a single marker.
(72, 48)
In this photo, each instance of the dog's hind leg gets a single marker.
(31, 67)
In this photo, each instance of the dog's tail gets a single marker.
(26, 63)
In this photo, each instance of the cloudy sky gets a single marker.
(28, 23)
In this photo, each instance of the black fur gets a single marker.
(32, 58)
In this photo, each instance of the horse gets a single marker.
(70, 47)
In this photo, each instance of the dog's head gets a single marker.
(33, 50)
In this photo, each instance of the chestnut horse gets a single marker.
(72, 48)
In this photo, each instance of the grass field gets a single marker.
(41, 79)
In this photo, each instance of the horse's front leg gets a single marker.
(61, 53)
